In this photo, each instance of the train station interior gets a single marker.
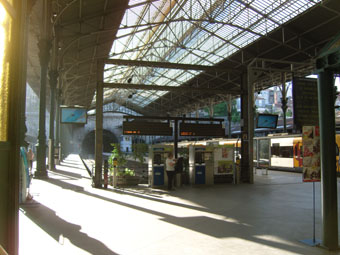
(105, 92)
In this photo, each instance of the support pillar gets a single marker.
(99, 126)
(247, 128)
(176, 139)
(44, 56)
(53, 84)
(251, 110)
(229, 105)
(57, 126)
(328, 160)
(284, 102)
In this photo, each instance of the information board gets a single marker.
(305, 99)
(73, 115)
(193, 129)
(267, 121)
(146, 128)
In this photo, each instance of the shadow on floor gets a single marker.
(219, 228)
(57, 228)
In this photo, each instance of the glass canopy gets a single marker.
(201, 32)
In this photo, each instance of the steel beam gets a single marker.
(168, 88)
(169, 65)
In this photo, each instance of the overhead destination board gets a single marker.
(146, 128)
(193, 129)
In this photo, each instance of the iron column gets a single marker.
(99, 126)
(44, 56)
(328, 160)
(53, 74)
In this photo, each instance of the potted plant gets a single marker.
(127, 177)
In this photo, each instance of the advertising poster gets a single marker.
(311, 154)
(223, 160)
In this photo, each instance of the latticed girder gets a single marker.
(190, 32)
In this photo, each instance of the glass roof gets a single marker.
(190, 32)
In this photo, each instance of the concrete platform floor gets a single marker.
(68, 216)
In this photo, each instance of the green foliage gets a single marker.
(126, 172)
(220, 110)
(289, 113)
(117, 154)
(235, 115)
(139, 150)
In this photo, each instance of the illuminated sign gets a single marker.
(191, 129)
(146, 128)
(267, 121)
(73, 115)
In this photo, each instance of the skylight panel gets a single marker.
(265, 6)
(192, 42)
(244, 39)
(263, 27)
(228, 32)
(242, 19)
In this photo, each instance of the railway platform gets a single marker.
(68, 216)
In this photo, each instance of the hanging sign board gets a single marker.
(146, 128)
(305, 99)
(73, 115)
(311, 154)
(193, 129)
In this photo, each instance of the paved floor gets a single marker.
(68, 216)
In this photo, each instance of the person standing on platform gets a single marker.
(30, 158)
(170, 169)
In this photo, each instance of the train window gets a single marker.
(282, 151)
(275, 149)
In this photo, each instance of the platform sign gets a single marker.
(311, 154)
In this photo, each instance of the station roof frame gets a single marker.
(225, 35)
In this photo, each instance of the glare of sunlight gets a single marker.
(3, 15)
(275, 239)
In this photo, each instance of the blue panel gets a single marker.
(158, 175)
(199, 174)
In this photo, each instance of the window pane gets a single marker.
(5, 28)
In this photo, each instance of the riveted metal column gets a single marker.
(328, 160)
(176, 138)
(284, 102)
(99, 126)
(229, 108)
(57, 126)
(251, 110)
(53, 84)
(247, 129)
(44, 56)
